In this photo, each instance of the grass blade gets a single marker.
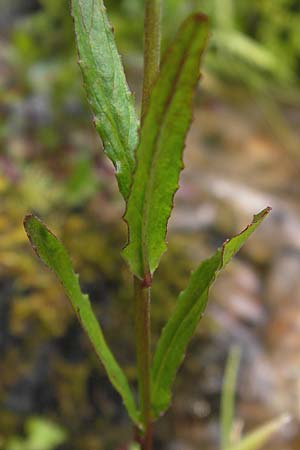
(53, 254)
(188, 311)
(159, 154)
(106, 87)
(243, 47)
(227, 398)
(257, 438)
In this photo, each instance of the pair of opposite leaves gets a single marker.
(147, 170)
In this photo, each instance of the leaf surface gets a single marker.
(53, 254)
(106, 87)
(159, 154)
(189, 309)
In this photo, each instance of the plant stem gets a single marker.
(151, 48)
(143, 335)
(142, 289)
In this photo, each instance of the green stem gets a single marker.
(143, 335)
(151, 48)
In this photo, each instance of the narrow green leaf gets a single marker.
(257, 438)
(188, 311)
(53, 254)
(159, 154)
(106, 87)
(227, 398)
(247, 49)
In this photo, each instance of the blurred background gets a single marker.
(242, 154)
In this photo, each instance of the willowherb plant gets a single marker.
(147, 161)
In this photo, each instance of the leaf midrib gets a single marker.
(150, 180)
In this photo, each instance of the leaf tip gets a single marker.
(27, 218)
(201, 17)
(262, 214)
(266, 211)
(26, 221)
(32, 217)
